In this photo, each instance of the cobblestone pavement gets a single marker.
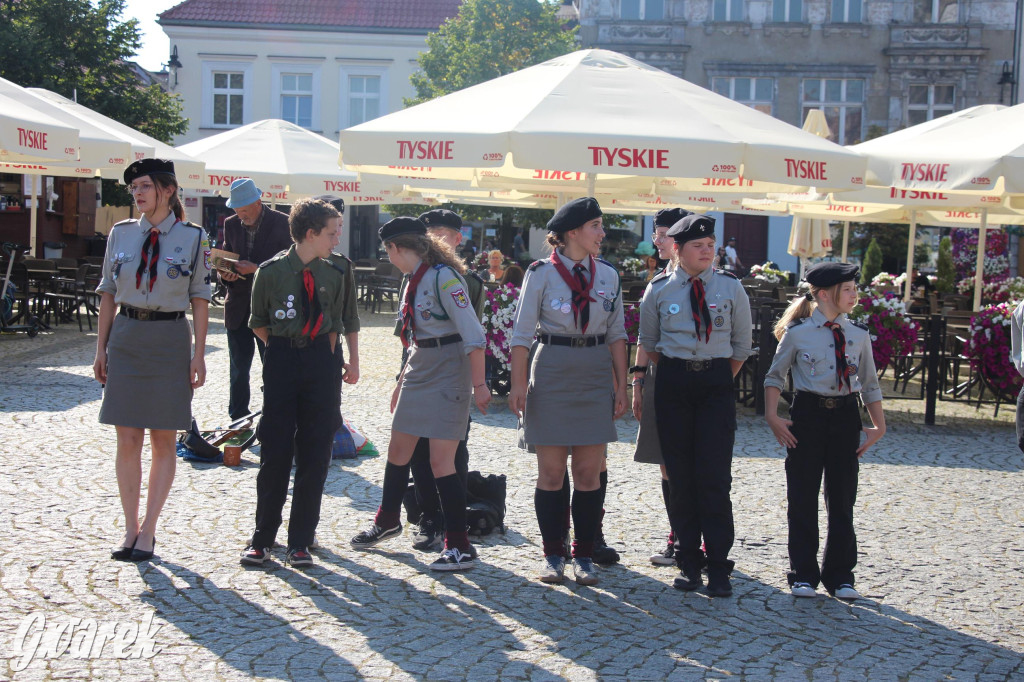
(939, 520)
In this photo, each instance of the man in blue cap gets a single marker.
(256, 233)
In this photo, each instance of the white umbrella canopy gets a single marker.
(28, 135)
(280, 157)
(599, 113)
(189, 171)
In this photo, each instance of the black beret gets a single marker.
(441, 217)
(667, 217)
(400, 226)
(147, 167)
(573, 214)
(829, 274)
(693, 226)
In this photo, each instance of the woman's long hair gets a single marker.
(802, 306)
(165, 181)
(431, 249)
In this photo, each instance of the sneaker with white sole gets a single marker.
(299, 557)
(666, 557)
(803, 590)
(584, 570)
(374, 534)
(254, 556)
(429, 536)
(553, 569)
(846, 592)
(453, 559)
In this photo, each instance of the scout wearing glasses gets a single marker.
(648, 448)
(695, 326)
(155, 267)
(570, 302)
(445, 369)
(831, 362)
(429, 535)
(297, 310)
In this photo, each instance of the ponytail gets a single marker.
(802, 306)
(431, 249)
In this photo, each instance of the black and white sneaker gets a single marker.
(453, 559)
(299, 557)
(666, 557)
(374, 534)
(429, 537)
(254, 556)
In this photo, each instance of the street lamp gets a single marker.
(1005, 78)
(174, 64)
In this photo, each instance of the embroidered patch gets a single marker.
(425, 314)
(608, 305)
(206, 260)
(719, 321)
(449, 284)
(173, 272)
(460, 298)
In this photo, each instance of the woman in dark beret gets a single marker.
(148, 357)
(832, 364)
(570, 384)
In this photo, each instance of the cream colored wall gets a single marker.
(259, 50)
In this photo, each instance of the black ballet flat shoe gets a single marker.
(140, 555)
(123, 553)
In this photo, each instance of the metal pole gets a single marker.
(846, 238)
(911, 239)
(936, 324)
(33, 219)
(979, 266)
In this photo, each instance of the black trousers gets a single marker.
(827, 442)
(423, 476)
(696, 419)
(1020, 419)
(242, 344)
(300, 413)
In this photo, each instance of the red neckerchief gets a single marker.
(311, 305)
(407, 301)
(581, 294)
(150, 256)
(839, 342)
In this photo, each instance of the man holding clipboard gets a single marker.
(255, 233)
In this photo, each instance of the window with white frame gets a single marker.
(787, 10)
(756, 93)
(728, 10)
(847, 11)
(925, 102)
(842, 102)
(297, 98)
(228, 98)
(363, 99)
(649, 10)
(227, 94)
(936, 11)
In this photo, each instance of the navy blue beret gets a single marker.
(667, 217)
(829, 274)
(693, 226)
(147, 167)
(574, 214)
(399, 226)
(441, 217)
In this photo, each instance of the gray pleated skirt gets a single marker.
(648, 445)
(571, 399)
(148, 385)
(436, 392)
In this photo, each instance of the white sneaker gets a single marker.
(847, 593)
(803, 590)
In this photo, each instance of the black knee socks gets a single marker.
(550, 518)
(453, 504)
(396, 482)
(586, 513)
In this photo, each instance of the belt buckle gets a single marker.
(830, 403)
(579, 342)
(142, 314)
(301, 342)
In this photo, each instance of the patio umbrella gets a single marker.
(975, 154)
(28, 135)
(284, 160)
(594, 120)
(188, 170)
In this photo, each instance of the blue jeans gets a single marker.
(242, 344)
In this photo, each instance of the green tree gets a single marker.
(872, 263)
(79, 49)
(488, 39)
(945, 271)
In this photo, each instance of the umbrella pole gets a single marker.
(979, 267)
(33, 218)
(846, 238)
(591, 182)
(911, 240)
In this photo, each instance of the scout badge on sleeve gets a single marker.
(460, 298)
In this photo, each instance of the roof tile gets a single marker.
(394, 14)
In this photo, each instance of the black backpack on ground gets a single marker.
(485, 503)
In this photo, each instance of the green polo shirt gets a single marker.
(277, 291)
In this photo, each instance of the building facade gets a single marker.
(872, 66)
(324, 66)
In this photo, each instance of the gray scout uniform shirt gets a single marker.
(667, 325)
(442, 307)
(545, 303)
(1016, 337)
(182, 273)
(807, 349)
